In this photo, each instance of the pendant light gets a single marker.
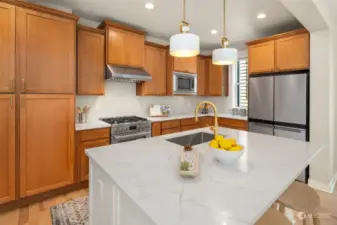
(184, 44)
(224, 55)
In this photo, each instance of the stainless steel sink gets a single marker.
(192, 139)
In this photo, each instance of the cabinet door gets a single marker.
(83, 159)
(206, 121)
(7, 149)
(46, 52)
(116, 47)
(135, 50)
(7, 46)
(261, 57)
(187, 65)
(156, 129)
(215, 80)
(161, 71)
(202, 76)
(292, 53)
(149, 87)
(90, 63)
(46, 142)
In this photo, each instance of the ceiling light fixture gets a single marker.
(214, 31)
(261, 15)
(184, 44)
(224, 55)
(149, 5)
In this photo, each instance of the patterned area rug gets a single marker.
(74, 212)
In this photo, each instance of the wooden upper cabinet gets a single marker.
(45, 52)
(282, 52)
(186, 65)
(124, 45)
(116, 46)
(261, 57)
(202, 75)
(90, 61)
(135, 50)
(7, 47)
(216, 80)
(46, 142)
(7, 149)
(292, 53)
(155, 65)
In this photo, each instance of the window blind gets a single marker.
(242, 83)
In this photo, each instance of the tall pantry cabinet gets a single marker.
(39, 76)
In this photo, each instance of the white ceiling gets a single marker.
(203, 15)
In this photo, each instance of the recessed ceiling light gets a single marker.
(149, 5)
(214, 31)
(261, 15)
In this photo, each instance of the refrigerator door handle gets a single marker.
(290, 129)
(261, 124)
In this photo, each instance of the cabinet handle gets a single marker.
(11, 102)
(23, 84)
(11, 85)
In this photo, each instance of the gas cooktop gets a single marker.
(124, 119)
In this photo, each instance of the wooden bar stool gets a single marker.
(301, 198)
(273, 217)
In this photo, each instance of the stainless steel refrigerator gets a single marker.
(279, 106)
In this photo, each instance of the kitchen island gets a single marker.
(138, 182)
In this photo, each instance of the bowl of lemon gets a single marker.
(226, 150)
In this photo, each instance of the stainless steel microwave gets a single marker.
(184, 83)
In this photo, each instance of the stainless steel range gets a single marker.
(128, 128)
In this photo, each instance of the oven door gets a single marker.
(129, 137)
(184, 83)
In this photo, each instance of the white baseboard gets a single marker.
(322, 186)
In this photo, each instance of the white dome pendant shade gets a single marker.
(224, 56)
(184, 44)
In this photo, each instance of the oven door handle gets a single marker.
(121, 137)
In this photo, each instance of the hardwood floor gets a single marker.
(39, 213)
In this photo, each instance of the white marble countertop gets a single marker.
(185, 116)
(147, 170)
(91, 125)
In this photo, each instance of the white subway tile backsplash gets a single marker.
(120, 100)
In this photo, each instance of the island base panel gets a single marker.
(108, 204)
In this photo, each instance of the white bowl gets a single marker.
(226, 157)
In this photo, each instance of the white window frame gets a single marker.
(235, 83)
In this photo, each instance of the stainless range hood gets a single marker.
(126, 74)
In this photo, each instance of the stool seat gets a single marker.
(273, 217)
(300, 197)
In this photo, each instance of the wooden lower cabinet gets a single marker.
(233, 124)
(156, 129)
(190, 127)
(83, 159)
(46, 142)
(170, 131)
(7, 148)
(88, 139)
(206, 121)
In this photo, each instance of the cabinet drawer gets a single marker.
(170, 124)
(190, 127)
(94, 134)
(234, 124)
(170, 131)
(190, 121)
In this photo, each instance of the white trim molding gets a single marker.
(324, 187)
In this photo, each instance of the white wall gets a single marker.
(319, 17)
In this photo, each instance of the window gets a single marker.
(241, 82)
